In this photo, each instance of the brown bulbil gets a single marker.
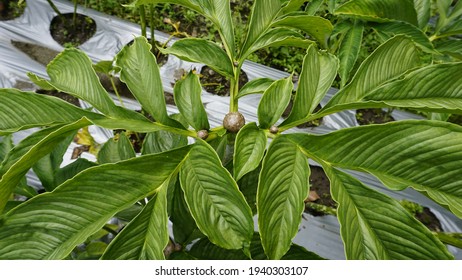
(203, 134)
(233, 122)
(274, 129)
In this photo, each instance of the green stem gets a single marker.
(110, 230)
(52, 5)
(143, 20)
(111, 78)
(151, 26)
(234, 90)
(454, 239)
(74, 16)
(321, 208)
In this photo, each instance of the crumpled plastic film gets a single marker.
(319, 234)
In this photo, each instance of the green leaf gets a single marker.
(46, 167)
(255, 86)
(187, 93)
(313, 6)
(451, 47)
(318, 71)
(292, 6)
(423, 10)
(375, 226)
(72, 72)
(213, 197)
(435, 87)
(116, 149)
(22, 110)
(380, 11)
(278, 37)
(21, 158)
(217, 11)
(349, 50)
(283, 187)
(162, 141)
(6, 144)
(249, 148)
(70, 170)
(203, 249)
(274, 101)
(248, 185)
(81, 206)
(146, 236)
(392, 59)
(299, 253)
(202, 51)
(403, 28)
(104, 66)
(316, 27)
(264, 12)
(139, 70)
(457, 10)
(452, 29)
(184, 227)
(425, 155)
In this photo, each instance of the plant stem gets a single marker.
(111, 78)
(234, 90)
(151, 26)
(454, 239)
(321, 208)
(143, 20)
(110, 230)
(52, 5)
(74, 16)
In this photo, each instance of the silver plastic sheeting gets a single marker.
(319, 234)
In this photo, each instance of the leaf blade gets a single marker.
(274, 101)
(187, 93)
(375, 226)
(213, 197)
(282, 188)
(249, 149)
(91, 198)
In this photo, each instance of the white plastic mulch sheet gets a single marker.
(318, 234)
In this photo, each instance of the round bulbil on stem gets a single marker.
(203, 134)
(274, 129)
(233, 122)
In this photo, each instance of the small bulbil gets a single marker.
(233, 122)
(274, 129)
(203, 134)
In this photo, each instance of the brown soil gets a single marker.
(313, 123)
(38, 53)
(64, 32)
(64, 96)
(373, 116)
(9, 9)
(217, 84)
(320, 184)
(429, 220)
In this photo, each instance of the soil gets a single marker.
(429, 220)
(160, 57)
(217, 84)
(9, 9)
(373, 116)
(320, 184)
(313, 123)
(63, 31)
(64, 96)
(38, 53)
